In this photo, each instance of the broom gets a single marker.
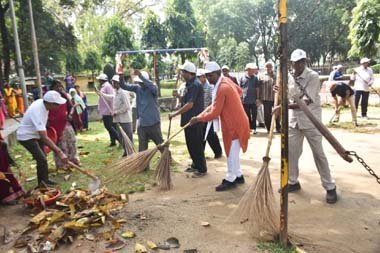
(127, 143)
(162, 174)
(137, 162)
(257, 207)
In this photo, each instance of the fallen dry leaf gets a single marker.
(89, 237)
(128, 234)
(139, 248)
(67, 177)
(151, 245)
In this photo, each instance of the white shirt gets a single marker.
(309, 80)
(121, 106)
(363, 78)
(34, 120)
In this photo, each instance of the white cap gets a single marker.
(116, 78)
(201, 72)
(189, 67)
(103, 77)
(250, 66)
(137, 79)
(339, 66)
(211, 67)
(364, 60)
(54, 97)
(297, 55)
(225, 67)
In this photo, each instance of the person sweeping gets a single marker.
(226, 105)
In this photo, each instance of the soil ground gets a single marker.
(350, 225)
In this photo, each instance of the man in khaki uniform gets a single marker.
(306, 82)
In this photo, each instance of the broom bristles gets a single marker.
(127, 143)
(257, 209)
(162, 174)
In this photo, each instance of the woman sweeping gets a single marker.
(10, 189)
(77, 110)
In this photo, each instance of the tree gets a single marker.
(182, 26)
(54, 38)
(227, 52)
(242, 55)
(5, 43)
(365, 28)
(153, 32)
(92, 62)
(73, 62)
(117, 37)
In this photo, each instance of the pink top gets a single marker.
(102, 107)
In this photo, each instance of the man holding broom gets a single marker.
(306, 82)
(191, 105)
(235, 126)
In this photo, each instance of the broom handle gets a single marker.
(322, 129)
(82, 170)
(170, 126)
(174, 135)
(271, 130)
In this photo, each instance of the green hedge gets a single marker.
(168, 84)
(376, 68)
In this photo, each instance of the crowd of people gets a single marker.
(209, 100)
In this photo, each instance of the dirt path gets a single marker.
(351, 225)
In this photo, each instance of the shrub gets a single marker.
(376, 68)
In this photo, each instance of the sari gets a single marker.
(77, 111)
(10, 99)
(10, 189)
(20, 101)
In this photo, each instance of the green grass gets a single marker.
(99, 161)
(272, 247)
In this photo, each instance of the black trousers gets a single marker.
(149, 133)
(251, 111)
(364, 95)
(194, 142)
(35, 147)
(268, 105)
(213, 141)
(111, 128)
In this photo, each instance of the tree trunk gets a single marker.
(5, 41)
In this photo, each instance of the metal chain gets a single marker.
(365, 165)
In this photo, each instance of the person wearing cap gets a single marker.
(121, 110)
(363, 77)
(300, 126)
(212, 136)
(192, 103)
(32, 133)
(148, 109)
(332, 74)
(268, 80)
(234, 122)
(338, 75)
(250, 98)
(104, 107)
(226, 73)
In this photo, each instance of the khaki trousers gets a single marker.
(314, 138)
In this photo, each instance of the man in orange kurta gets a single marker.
(234, 122)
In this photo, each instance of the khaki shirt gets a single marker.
(309, 80)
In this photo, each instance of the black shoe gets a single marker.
(255, 131)
(225, 185)
(331, 196)
(198, 174)
(218, 156)
(112, 145)
(261, 125)
(292, 188)
(47, 182)
(190, 170)
(239, 180)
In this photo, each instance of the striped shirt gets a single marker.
(266, 87)
(207, 92)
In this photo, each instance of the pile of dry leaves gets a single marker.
(76, 214)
